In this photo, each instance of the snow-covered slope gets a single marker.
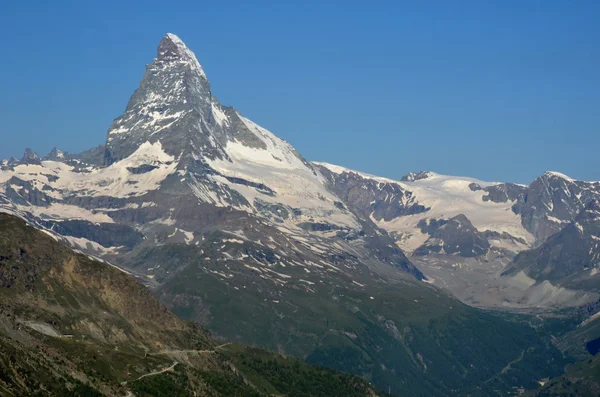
(448, 196)
(277, 166)
(59, 182)
(463, 233)
(443, 197)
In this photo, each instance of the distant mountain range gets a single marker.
(232, 228)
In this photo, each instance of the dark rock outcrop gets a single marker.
(455, 236)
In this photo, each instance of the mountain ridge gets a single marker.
(176, 153)
(570, 256)
(228, 223)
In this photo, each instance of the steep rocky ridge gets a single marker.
(570, 257)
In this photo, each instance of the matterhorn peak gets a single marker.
(173, 104)
(172, 49)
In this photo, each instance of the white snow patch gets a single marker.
(187, 55)
(555, 220)
(219, 115)
(447, 196)
(233, 240)
(559, 175)
(278, 167)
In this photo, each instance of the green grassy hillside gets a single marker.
(72, 326)
(402, 335)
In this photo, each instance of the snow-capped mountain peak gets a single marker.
(554, 174)
(173, 104)
(172, 49)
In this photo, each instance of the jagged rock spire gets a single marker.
(173, 104)
(55, 155)
(172, 49)
(30, 157)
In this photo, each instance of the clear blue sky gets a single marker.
(499, 90)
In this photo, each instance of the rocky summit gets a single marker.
(570, 257)
(232, 228)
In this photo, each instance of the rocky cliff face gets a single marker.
(384, 201)
(552, 201)
(30, 157)
(173, 105)
(456, 236)
(570, 257)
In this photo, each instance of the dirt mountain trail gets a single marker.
(162, 371)
(169, 352)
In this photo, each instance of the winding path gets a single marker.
(190, 351)
(172, 367)
(162, 371)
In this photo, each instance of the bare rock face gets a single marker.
(383, 200)
(173, 105)
(57, 155)
(506, 192)
(416, 176)
(552, 201)
(30, 157)
(455, 236)
(570, 257)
